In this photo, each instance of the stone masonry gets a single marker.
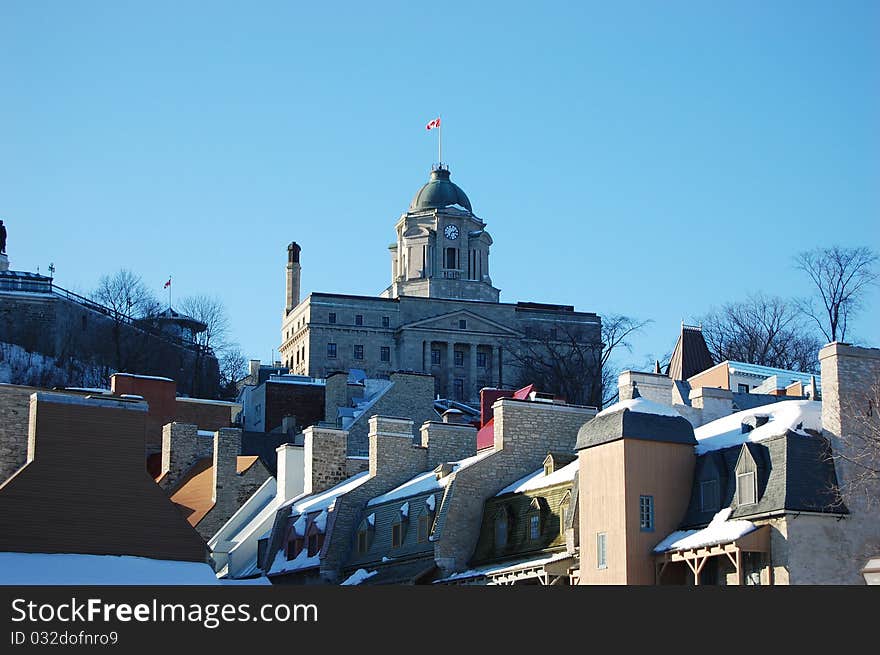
(181, 448)
(14, 410)
(850, 389)
(325, 458)
(448, 442)
(524, 433)
(394, 459)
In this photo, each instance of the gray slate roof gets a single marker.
(635, 425)
(795, 473)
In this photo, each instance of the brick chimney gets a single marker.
(293, 276)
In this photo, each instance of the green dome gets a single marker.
(440, 192)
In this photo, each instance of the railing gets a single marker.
(451, 274)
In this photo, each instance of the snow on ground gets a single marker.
(794, 415)
(537, 480)
(77, 569)
(427, 481)
(358, 576)
(640, 405)
(719, 531)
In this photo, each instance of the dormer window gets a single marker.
(502, 529)
(746, 488)
(396, 535)
(534, 527)
(548, 466)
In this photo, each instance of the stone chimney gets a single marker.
(335, 389)
(291, 471)
(180, 450)
(293, 276)
(652, 386)
(713, 402)
(448, 442)
(254, 369)
(227, 448)
(325, 457)
(534, 429)
(392, 452)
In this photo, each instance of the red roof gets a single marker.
(486, 434)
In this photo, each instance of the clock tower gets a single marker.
(442, 247)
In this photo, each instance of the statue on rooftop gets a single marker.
(2, 238)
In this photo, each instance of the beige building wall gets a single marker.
(717, 376)
(601, 495)
(664, 471)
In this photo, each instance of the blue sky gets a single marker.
(647, 158)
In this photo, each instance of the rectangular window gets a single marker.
(396, 535)
(358, 351)
(746, 491)
(331, 318)
(451, 258)
(500, 532)
(743, 388)
(481, 360)
(362, 542)
(462, 324)
(646, 513)
(359, 319)
(459, 358)
(534, 527)
(709, 496)
(458, 389)
(563, 518)
(331, 351)
(435, 357)
(601, 561)
(385, 353)
(386, 321)
(424, 528)
(313, 545)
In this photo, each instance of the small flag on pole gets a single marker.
(167, 284)
(432, 124)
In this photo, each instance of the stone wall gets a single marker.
(14, 409)
(181, 448)
(448, 442)
(394, 459)
(325, 458)
(524, 433)
(411, 395)
(850, 416)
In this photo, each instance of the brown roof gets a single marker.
(194, 494)
(691, 354)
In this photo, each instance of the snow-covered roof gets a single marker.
(323, 500)
(358, 576)
(794, 415)
(91, 401)
(302, 561)
(640, 405)
(506, 567)
(426, 482)
(538, 480)
(719, 531)
(78, 569)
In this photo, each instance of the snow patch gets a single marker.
(719, 531)
(640, 405)
(794, 415)
(431, 502)
(537, 480)
(358, 576)
(404, 510)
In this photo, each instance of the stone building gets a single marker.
(440, 315)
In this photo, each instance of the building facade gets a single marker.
(441, 314)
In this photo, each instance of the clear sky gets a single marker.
(645, 158)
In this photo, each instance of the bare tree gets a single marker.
(233, 366)
(126, 295)
(561, 361)
(211, 311)
(765, 330)
(841, 276)
(857, 448)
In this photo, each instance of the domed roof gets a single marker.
(440, 192)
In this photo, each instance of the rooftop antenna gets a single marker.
(51, 269)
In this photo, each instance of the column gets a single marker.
(473, 393)
(449, 370)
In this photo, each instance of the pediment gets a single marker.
(450, 322)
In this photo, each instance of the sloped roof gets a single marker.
(691, 354)
(195, 491)
(613, 424)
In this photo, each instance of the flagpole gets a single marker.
(440, 141)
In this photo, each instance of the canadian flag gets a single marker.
(432, 124)
(167, 284)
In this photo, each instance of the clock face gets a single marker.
(451, 232)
